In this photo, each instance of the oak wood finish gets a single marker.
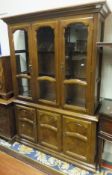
(55, 124)
(26, 122)
(7, 121)
(60, 19)
(76, 134)
(49, 129)
(6, 89)
(57, 137)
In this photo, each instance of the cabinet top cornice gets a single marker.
(98, 7)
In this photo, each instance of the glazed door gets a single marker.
(46, 63)
(22, 67)
(76, 49)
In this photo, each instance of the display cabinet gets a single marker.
(54, 59)
(56, 79)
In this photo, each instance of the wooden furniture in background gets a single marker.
(7, 119)
(56, 79)
(6, 90)
(105, 127)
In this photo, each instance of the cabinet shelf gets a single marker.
(75, 81)
(46, 78)
(103, 44)
(75, 58)
(23, 76)
(46, 52)
(46, 74)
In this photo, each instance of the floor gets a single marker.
(42, 160)
(12, 166)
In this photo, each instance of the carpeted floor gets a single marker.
(49, 161)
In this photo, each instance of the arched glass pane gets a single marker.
(76, 51)
(20, 38)
(46, 51)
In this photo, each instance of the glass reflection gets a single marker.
(76, 51)
(46, 54)
(20, 38)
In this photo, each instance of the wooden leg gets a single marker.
(100, 151)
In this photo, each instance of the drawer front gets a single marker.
(49, 129)
(4, 121)
(26, 122)
(106, 126)
(76, 138)
(24, 112)
(26, 130)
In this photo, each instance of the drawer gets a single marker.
(23, 112)
(106, 126)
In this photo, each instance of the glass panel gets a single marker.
(47, 90)
(21, 51)
(75, 95)
(76, 51)
(46, 54)
(24, 87)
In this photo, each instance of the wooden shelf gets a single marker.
(75, 81)
(103, 44)
(46, 78)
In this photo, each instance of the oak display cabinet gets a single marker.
(56, 79)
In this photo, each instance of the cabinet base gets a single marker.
(59, 155)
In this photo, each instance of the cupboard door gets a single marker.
(7, 121)
(77, 138)
(4, 121)
(26, 122)
(49, 130)
(21, 58)
(76, 62)
(26, 130)
(46, 62)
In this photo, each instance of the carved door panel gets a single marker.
(4, 121)
(49, 130)
(7, 121)
(1, 78)
(77, 138)
(26, 122)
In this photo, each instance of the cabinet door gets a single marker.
(46, 62)
(21, 59)
(4, 121)
(26, 122)
(77, 139)
(76, 48)
(49, 130)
